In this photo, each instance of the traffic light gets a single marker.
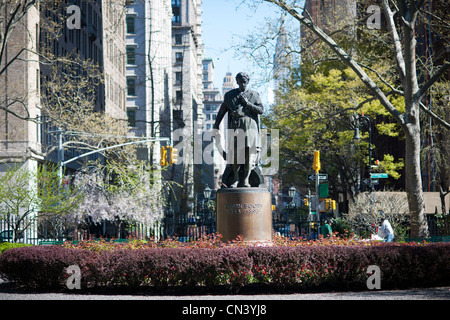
(316, 163)
(306, 201)
(163, 160)
(173, 155)
(330, 204)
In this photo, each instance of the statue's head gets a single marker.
(242, 79)
(243, 76)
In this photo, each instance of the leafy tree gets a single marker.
(26, 194)
(401, 19)
(310, 117)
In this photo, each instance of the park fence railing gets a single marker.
(14, 228)
(31, 230)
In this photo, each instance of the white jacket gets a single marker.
(385, 229)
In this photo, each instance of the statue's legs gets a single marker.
(245, 170)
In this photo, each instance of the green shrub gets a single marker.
(8, 245)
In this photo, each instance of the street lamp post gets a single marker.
(359, 122)
(291, 193)
(207, 193)
(208, 216)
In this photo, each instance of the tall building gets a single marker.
(331, 14)
(228, 83)
(110, 29)
(212, 99)
(19, 91)
(43, 48)
(97, 36)
(282, 61)
(187, 106)
(149, 73)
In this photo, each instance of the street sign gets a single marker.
(322, 177)
(366, 181)
(323, 190)
(378, 175)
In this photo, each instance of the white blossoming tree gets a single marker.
(118, 194)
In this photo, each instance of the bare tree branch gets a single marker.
(423, 90)
(438, 119)
(397, 42)
(346, 58)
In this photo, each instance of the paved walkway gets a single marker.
(257, 306)
(440, 293)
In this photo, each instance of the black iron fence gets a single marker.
(188, 229)
(33, 230)
(19, 229)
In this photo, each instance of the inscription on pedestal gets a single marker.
(244, 212)
(243, 208)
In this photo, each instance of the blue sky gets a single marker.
(223, 22)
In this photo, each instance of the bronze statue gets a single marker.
(243, 106)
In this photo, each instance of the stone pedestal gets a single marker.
(246, 212)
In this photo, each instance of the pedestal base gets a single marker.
(246, 212)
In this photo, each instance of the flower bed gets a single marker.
(298, 267)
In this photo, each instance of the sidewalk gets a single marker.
(441, 293)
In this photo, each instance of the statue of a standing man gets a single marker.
(243, 106)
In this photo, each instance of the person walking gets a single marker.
(386, 231)
(326, 230)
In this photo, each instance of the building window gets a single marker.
(131, 55)
(131, 86)
(37, 80)
(178, 77)
(176, 11)
(178, 57)
(178, 39)
(207, 107)
(131, 114)
(130, 21)
(179, 96)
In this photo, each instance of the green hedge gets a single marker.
(8, 245)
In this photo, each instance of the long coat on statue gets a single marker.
(243, 117)
(243, 132)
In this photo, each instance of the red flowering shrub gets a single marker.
(42, 266)
(282, 267)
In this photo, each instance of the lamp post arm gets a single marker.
(112, 147)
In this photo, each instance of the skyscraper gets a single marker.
(228, 83)
(282, 59)
(149, 73)
(187, 53)
(212, 99)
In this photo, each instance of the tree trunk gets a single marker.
(413, 182)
